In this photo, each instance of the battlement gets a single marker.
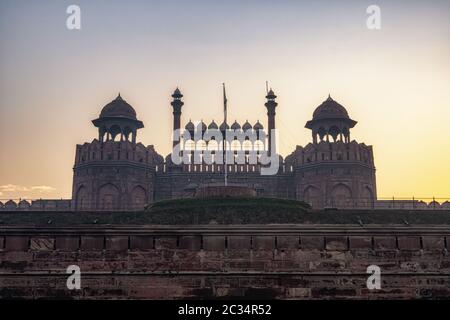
(36, 205)
(116, 151)
(246, 167)
(324, 151)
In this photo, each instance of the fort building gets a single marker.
(117, 172)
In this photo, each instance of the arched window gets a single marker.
(258, 145)
(189, 145)
(311, 195)
(334, 132)
(247, 145)
(213, 145)
(81, 199)
(341, 196)
(235, 145)
(115, 132)
(138, 198)
(108, 197)
(201, 145)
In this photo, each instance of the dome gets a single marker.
(118, 108)
(235, 126)
(247, 126)
(330, 109)
(213, 125)
(224, 126)
(202, 125)
(271, 95)
(24, 204)
(258, 126)
(190, 126)
(177, 94)
(10, 204)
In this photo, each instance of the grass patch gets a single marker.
(226, 211)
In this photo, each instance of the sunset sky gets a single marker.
(394, 81)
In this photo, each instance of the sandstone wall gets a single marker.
(279, 261)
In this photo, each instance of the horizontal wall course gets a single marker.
(289, 270)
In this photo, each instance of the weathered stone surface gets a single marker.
(190, 242)
(214, 243)
(141, 242)
(437, 243)
(288, 242)
(336, 243)
(263, 242)
(360, 242)
(409, 243)
(388, 243)
(239, 242)
(178, 266)
(16, 243)
(166, 242)
(92, 243)
(312, 242)
(67, 243)
(117, 243)
(298, 292)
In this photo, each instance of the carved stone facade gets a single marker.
(114, 172)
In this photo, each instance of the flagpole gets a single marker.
(224, 142)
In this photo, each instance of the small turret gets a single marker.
(177, 104)
(271, 105)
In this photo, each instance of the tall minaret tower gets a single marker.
(176, 104)
(271, 105)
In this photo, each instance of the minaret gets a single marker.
(271, 105)
(176, 104)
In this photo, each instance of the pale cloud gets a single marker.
(43, 188)
(19, 188)
(13, 188)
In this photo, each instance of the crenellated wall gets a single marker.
(37, 205)
(116, 151)
(335, 174)
(113, 176)
(283, 261)
(331, 151)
